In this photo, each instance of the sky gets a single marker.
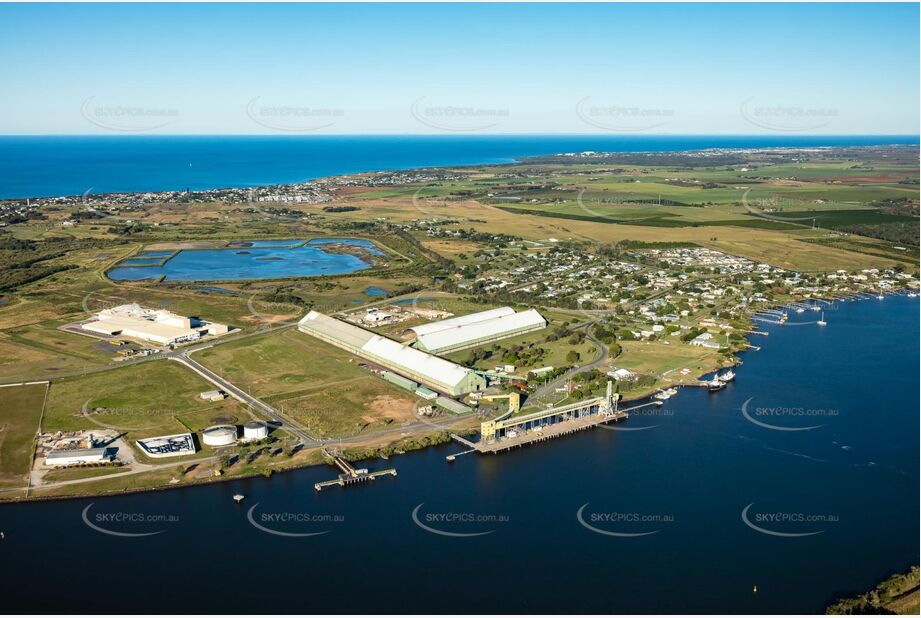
(459, 68)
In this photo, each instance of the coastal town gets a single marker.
(439, 306)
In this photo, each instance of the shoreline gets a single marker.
(511, 160)
(373, 453)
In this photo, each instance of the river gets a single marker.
(685, 509)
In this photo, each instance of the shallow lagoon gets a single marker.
(260, 259)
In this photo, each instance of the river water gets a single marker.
(684, 509)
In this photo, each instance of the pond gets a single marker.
(252, 260)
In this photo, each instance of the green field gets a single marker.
(19, 418)
(321, 386)
(147, 399)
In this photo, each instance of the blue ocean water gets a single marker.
(39, 166)
(260, 259)
(683, 478)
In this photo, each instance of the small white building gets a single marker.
(621, 374)
(72, 457)
(213, 395)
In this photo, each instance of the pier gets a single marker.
(351, 475)
(508, 432)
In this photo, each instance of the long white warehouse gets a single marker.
(476, 329)
(436, 373)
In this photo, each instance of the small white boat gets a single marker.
(715, 385)
(238, 498)
(800, 310)
(815, 307)
(664, 394)
(912, 295)
(822, 322)
(727, 377)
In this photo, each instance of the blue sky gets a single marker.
(466, 68)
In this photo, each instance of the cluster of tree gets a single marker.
(694, 332)
(904, 233)
(340, 208)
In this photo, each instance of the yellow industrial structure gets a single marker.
(507, 425)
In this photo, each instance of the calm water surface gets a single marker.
(262, 259)
(686, 479)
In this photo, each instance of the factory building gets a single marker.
(78, 456)
(155, 325)
(476, 329)
(431, 371)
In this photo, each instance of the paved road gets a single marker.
(240, 395)
(542, 392)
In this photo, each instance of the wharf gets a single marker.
(350, 475)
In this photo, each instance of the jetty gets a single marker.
(350, 475)
(508, 432)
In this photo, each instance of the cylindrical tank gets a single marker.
(219, 435)
(255, 430)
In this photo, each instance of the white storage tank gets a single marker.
(255, 430)
(219, 435)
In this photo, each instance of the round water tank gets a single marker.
(219, 435)
(255, 430)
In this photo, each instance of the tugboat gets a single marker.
(727, 377)
(715, 385)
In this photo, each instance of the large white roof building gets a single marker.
(476, 329)
(155, 325)
(434, 372)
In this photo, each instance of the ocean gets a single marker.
(45, 166)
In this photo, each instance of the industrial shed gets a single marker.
(436, 373)
(479, 328)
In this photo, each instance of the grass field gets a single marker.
(318, 384)
(147, 399)
(19, 418)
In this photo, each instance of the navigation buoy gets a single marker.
(755, 589)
